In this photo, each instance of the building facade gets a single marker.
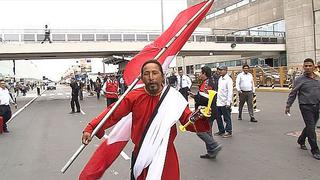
(299, 19)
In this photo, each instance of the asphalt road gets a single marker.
(44, 136)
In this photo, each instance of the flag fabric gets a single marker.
(108, 151)
(132, 69)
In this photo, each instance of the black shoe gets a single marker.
(239, 118)
(207, 156)
(78, 112)
(6, 131)
(71, 112)
(303, 147)
(219, 133)
(316, 156)
(253, 120)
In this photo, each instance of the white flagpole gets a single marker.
(76, 154)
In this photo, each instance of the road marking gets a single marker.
(124, 155)
(82, 112)
(21, 109)
(51, 94)
(44, 95)
(60, 94)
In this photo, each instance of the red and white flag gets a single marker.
(108, 151)
(150, 51)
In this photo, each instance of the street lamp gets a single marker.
(162, 25)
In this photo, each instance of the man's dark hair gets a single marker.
(245, 65)
(206, 70)
(308, 60)
(154, 62)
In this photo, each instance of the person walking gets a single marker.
(224, 99)
(172, 80)
(151, 113)
(98, 87)
(317, 72)
(110, 89)
(307, 87)
(38, 88)
(46, 34)
(245, 88)
(201, 99)
(183, 84)
(5, 100)
(75, 88)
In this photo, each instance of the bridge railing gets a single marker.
(98, 35)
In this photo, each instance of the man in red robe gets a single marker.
(141, 102)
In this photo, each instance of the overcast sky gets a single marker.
(82, 14)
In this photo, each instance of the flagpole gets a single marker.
(80, 149)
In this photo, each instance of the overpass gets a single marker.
(25, 44)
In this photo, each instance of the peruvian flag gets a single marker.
(150, 51)
(110, 149)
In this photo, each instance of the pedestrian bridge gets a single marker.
(26, 44)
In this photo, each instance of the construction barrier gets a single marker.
(254, 101)
(234, 100)
(272, 85)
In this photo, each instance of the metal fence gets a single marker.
(98, 35)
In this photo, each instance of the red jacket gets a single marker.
(111, 89)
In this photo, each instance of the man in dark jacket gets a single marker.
(75, 86)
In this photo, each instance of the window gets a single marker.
(232, 7)
(242, 3)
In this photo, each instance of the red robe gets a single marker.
(141, 104)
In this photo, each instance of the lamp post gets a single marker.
(162, 25)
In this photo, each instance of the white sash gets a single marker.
(154, 147)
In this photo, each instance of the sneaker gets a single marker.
(219, 133)
(316, 156)
(239, 118)
(253, 120)
(227, 135)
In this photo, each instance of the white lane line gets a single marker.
(124, 155)
(82, 112)
(44, 95)
(60, 94)
(51, 94)
(21, 109)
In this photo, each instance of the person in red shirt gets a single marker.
(110, 89)
(152, 107)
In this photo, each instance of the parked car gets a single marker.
(51, 86)
(267, 76)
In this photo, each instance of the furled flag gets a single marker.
(110, 149)
(150, 51)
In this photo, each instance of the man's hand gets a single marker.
(191, 94)
(228, 107)
(287, 110)
(86, 138)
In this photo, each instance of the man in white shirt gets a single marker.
(245, 88)
(224, 98)
(183, 84)
(5, 100)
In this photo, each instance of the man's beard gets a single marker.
(152, 88)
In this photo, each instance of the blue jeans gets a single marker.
(207, 138)
(225, 112)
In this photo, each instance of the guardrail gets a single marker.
(96, 35)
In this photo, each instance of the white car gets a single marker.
(51, 86)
